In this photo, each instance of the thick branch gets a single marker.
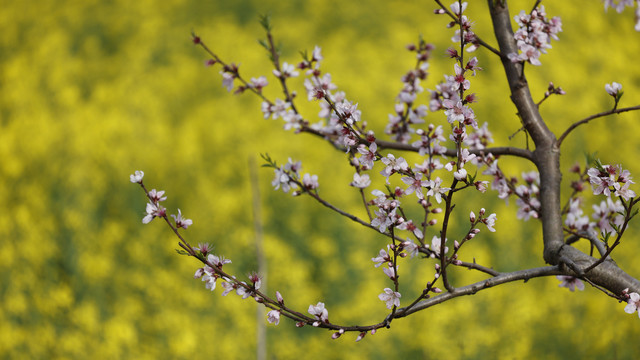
(481, 285)
(547, 159)
(546, 154)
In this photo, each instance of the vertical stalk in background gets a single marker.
(261, 331)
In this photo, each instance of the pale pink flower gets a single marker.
(455, 8)
(392, 298)
(287, 70)
(256, 280)
(242, 291)
(317, 53)
(383, 219)
(393, 165)
(319, 311)
(490, 221)
(137, 177)
(157, 196)
(273, 317)
(411, 248)
(390, 271)
(415, 184)
(180, 221)
(310, 181)
(436, 190)
(227, 80)
(153, 210)
(368, 155)
(259, 83)
(624, 191)
(570, 282)
(613, 89)
(382, 258)
(633, 304)
(210, 281)
(281, 179)
(361, 181)
(410, 226)
(228, 287)
(435, 246)
(218, 261)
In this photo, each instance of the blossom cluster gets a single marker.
(606, 179)
(405, 113)
(288, 176)
(534, 35)
(154, 209)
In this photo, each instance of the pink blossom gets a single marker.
(180, 221)
(153, 210)
(204, 248)
(393, 165)
(349, 111)
(490, 221)
(390, 271)
(273, 317)
(624, 191)
(415, 184)
(368, 155)
(281, 179)
(613, 89)
(287, 70)
(319, 311)
(256, 280)
(317, 53)
(383, 219)
(218, 261)
(436, 246)
(392, 298)
(633, 304)
(227, 80)
(606, 213)
(137, 177)
(570, 282)
(382, 258)
(157, 196)
(436, 190)
(228, 287)
(259, 83)
(410, 226)
(411, 248)
(360, 181)
(242, 291)
(460, 175)
(310, 181)
(210, 281)
(456, 9)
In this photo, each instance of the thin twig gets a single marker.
(592, 117)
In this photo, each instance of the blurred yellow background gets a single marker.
(93, 90)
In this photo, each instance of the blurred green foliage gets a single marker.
(93, 90)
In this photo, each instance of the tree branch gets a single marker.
(482, 285)
(592, 117)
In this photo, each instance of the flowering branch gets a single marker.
(537, 196)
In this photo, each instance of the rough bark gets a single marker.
(546, 157)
